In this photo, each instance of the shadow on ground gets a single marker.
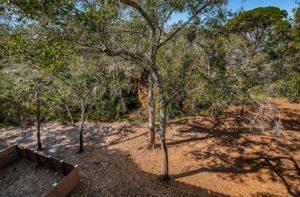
(113, 173)
(233, 150)
(105, 172)
(230, 149)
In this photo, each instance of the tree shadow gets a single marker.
(234, 150)
(290, 119)
(110, 172)
(57, 138)
(116, 174)
(105, 171)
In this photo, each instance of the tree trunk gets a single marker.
(151, 106)
(81, 125)
(69, 114)
(162, 128)
(38, 118)
(242, 111)
(21, 121)
(60, 116)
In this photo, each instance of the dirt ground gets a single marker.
(26, 178)
(227, 160)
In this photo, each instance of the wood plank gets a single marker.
(64, 187)
(4, 163)
(8, 149)
(67, 184)
(21, 152)
(8, 160)
(8, 156)
(7, 152)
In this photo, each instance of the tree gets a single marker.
(55, 47)
(77, 37)
(27, 93)
(289, 85)
(82, 77)
(28, 56)
(296, 32)
(257, 48)
(112, 28)
(153, 35)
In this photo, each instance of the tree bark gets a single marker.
(162, 128)
(38, 118)
(81, 125)
(151, 106)
(60, 116)
(21, 121)
(69, 114)
(242, 111)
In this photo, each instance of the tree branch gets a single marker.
(135, 5)
(93, 86)
(183, 25)
(111, 52)
(70, 85)
(164, 20)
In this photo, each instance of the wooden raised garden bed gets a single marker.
(69, 173)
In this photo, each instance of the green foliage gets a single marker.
(289, 86)
(68, 48)
(258, 18)
(296, 30)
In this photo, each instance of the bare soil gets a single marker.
(25, 178)
(205, 160)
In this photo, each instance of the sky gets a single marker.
(234, 5)
(287, 5)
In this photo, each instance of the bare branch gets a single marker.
(183, 25)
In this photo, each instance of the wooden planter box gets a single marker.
(63, 187)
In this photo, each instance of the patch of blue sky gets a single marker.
(235, 5)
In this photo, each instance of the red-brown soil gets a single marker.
(205, 160)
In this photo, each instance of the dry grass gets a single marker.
(227, 160)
